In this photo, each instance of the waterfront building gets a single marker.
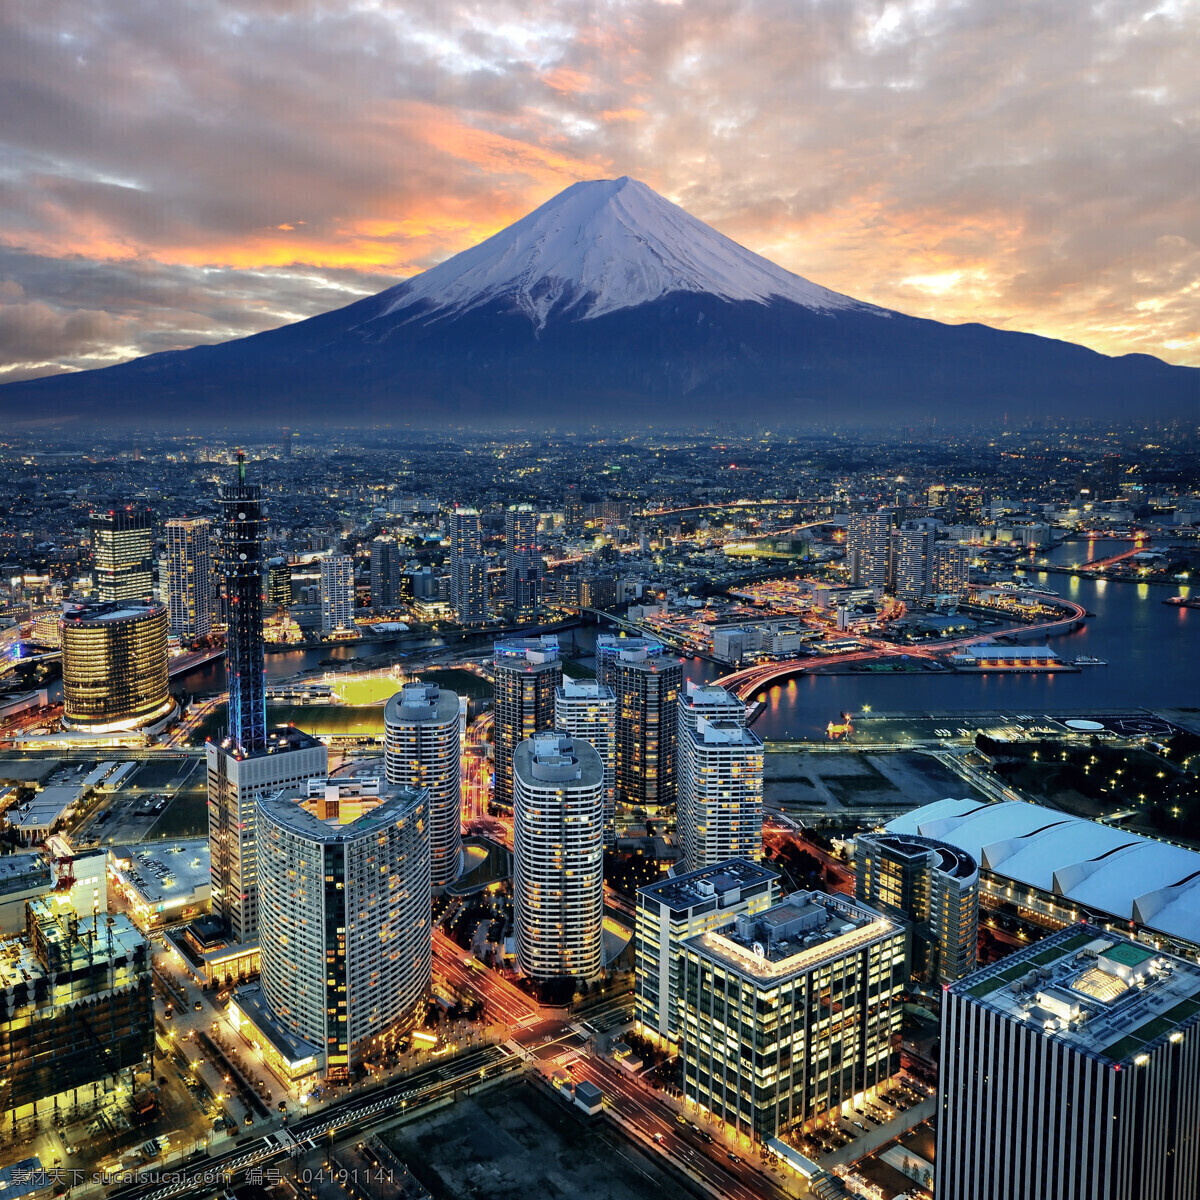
(247, 761)
(386, 573)
(1055, 869)
(114, 666)
(337, 593)
(468, 568)
(867, 546)
(680, 907)
(708, 700)
(720, 791)
(76, 1009)
(525, 674)
(422, 749)
(123, 554)
(189, 577)
(790, 1013)
(345, 927)
(950, 571)
(278, 589)
(931, 886)
(558, 858)
(912, 554)
(1070, 1070)
(647, 682)
(588, 710)
(521, 561)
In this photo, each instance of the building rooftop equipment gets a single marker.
(1104, 995)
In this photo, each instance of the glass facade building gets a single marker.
(525, 674)
(114, 664)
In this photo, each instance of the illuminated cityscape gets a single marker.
(599, 601)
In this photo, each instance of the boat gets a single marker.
(1184, 601)
(1086, 660)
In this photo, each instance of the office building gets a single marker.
(386, 573)
(114, 665)
(1070, 1070)
(345, 930)
(912, 554)
(123, 554)
(867, 546)
(468, 568)
(790, 1013)
(680, 907)
(647, 682)
(1057, 869)
(525, 674)
(558, 858)
(277, 591)
(950, 570)
(521, 561)
(189, 577)
(720, 792)
(422, 750)
(933, 888)
(337, 593)
(76, 1009)
(588, 710)
(248, 761)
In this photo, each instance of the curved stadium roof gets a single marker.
(1102, 868)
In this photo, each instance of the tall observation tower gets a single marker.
(248, 761)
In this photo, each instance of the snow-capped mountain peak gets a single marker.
(596, 248)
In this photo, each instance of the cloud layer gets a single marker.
(180, 173)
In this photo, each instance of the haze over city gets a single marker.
(599, 600)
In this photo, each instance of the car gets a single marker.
(198, 1006)
(680, 1119)
(168, 1013)
(706, 1136)
(733, 1158)
(249, 1119)
(658, 1137)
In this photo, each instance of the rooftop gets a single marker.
(282, 738)
(554, 758)
(724, 732)
(584, 689)
(721, 885)
(542, 649)
(795, 936)
(165, 872)
(96, 612)
(287, 810)
(1102, 994)
(419, 702)
(1105, 869)
(252, 1004)
(708, 695)
(950, 859)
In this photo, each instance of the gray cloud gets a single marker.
(172, 174)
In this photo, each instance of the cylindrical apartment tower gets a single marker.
(558, 857)
(344, 913)
(422, 750)
(114, 665)
(588, 710)
(525, 673)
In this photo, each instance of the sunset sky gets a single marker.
(184, 171)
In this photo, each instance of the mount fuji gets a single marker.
(610, 305)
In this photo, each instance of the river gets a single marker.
(1152, 650)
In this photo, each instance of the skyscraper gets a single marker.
(588, 710)
(189, 577)
(468, 568)
(1070, 1070)
(950, 572)
(867, 547)
(386, 567)
(247, 762)
(558, 858)
(520, 561)
(646, 682)
(337, 593)
(114, 665)
(720, 792)
(422, 748)
(344, 913)
(912, 560)
(934, 888)
(526, 672)
(123, 553)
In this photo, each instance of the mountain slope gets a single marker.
(609, 304)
